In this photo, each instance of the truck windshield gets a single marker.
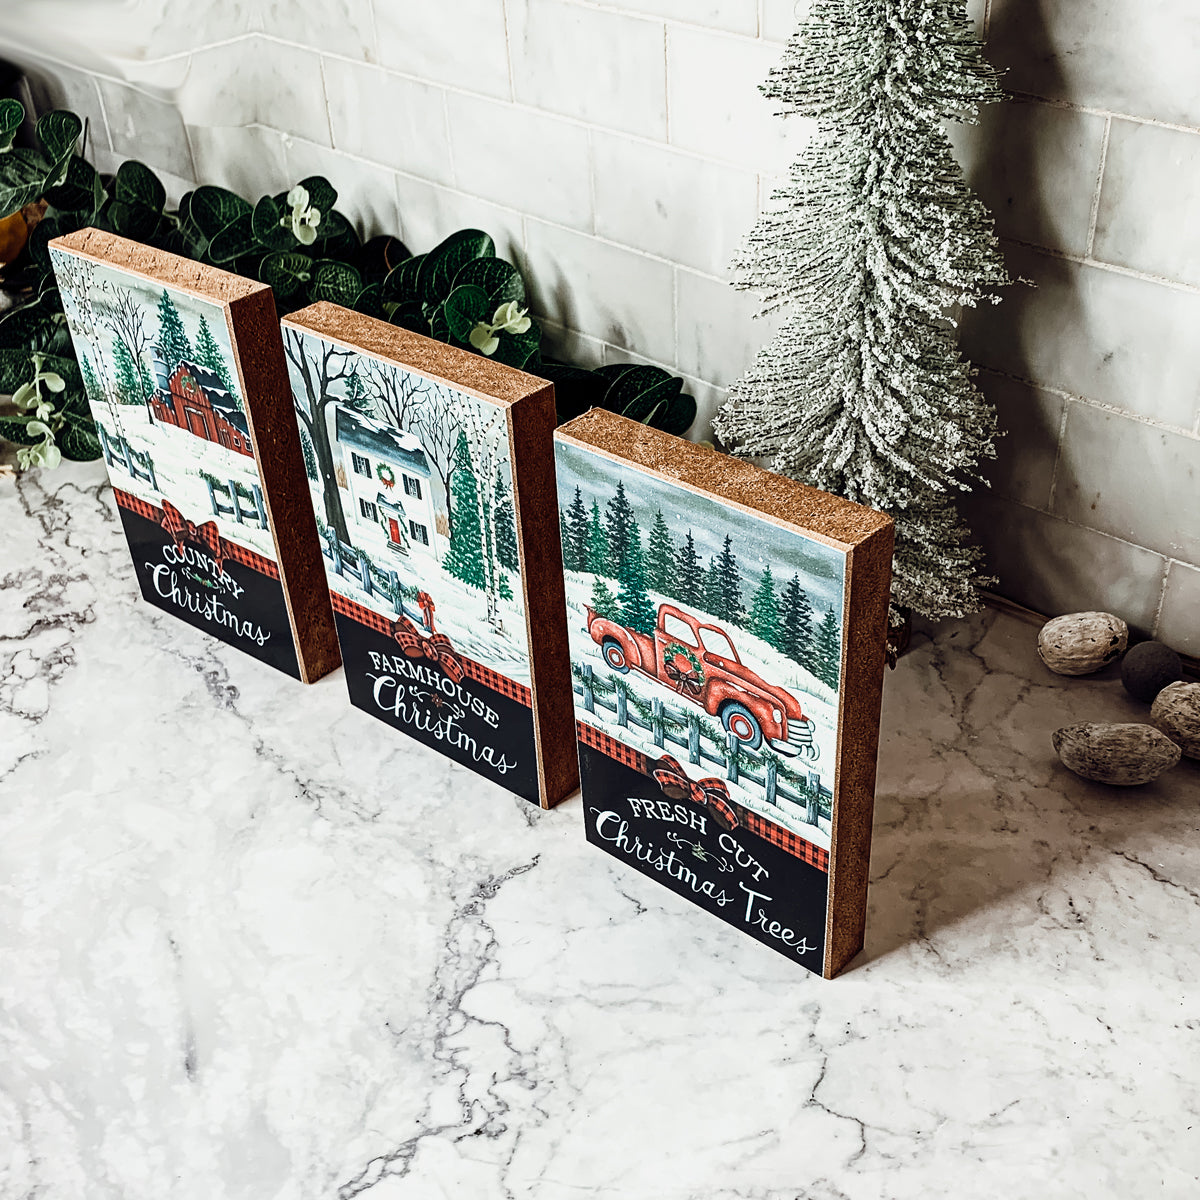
(715, 642)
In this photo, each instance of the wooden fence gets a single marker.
(118, 452)
(256, 515)
(675, 727)
(347, 560)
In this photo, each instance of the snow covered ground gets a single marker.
(460, 612)
(178, 458)
(817, 701)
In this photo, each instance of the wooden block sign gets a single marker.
(727, 632)
(184, 371)
(432, 478)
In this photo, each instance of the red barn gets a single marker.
(195, 399)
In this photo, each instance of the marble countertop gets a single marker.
(254, 945)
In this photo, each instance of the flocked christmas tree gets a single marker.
(871, 246)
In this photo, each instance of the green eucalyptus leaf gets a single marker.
(375, 259)
(321, 193)
(12, 114)
(336, 237)
(439, 328)
(16, 368)
(136, 185)
(465, 307)
(14, 198)
(77, 438)
(613, 371)
(435, 278)
(286, 273)
(234, 241)
(407, 316)
(401, 282)
(58, 131)
(16, 430)
(369, 302)
(211, 209)
(499, 279)
(677, 415)
(336, 282)
(81, 192)
(266, 227)
(637, 391)
(576, 389)
(516, 350)
(133, 221)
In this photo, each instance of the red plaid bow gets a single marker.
(710, 793)
(182, 530)
(437, 647)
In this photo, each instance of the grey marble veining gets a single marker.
(254, 944)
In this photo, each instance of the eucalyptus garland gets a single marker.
(871, 247)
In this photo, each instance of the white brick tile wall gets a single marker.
(462, 43)
(690, 210)
(388, 119)
(597, 65)
(617, 149)
(518, 156)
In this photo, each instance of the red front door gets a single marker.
(394, 531)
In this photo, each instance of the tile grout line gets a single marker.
(325, 97)
(508, 54)
(1058, 454)
(1095, 213)
(1063, 394)
(1084, 260)
(1162, 595)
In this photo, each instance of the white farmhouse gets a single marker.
(390, 484)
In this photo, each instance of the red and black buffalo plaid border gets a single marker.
(791, 843)
(231, 550)
(470, 668)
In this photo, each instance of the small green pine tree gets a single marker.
(575, 546)
(597, 548)
(637, 613)
(310, 458)
(660, 556)
(690, 583)
(208, 354)
(91, 385)
(506, 528)
(465, 559)
(604, 603)
(173, 342)
(795, 624)
(128, 383)
(505, 589)
(619, 521)
(764, 610)
(827, 650)
(731, 584)
(713, 600)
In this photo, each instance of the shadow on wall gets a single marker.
(1014, 163)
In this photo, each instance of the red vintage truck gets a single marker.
(699, 663)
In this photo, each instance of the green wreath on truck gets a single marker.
(683, 670)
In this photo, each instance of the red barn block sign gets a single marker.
(727, 630)
(184, 372)
(431, 473)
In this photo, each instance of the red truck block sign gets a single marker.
(727, 631)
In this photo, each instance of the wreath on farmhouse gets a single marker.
(386, 475)
(683, 669)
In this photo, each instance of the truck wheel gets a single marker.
(614, 655)
(742, 723)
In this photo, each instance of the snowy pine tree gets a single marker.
(173, 342)
(575, 546)
(505, 589)
(208, 354)
(660, 556)
(795, 623)
(618, 523)
(712, 590)
(506, 528)
(127, 380)
(636, 611)
(764, 610)
(874, 240)
(827, 650)
(597, 549)
(91, 385)
(690, 582)
(310, 458)
(465, 558)
(731, 584)
(604, 603)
